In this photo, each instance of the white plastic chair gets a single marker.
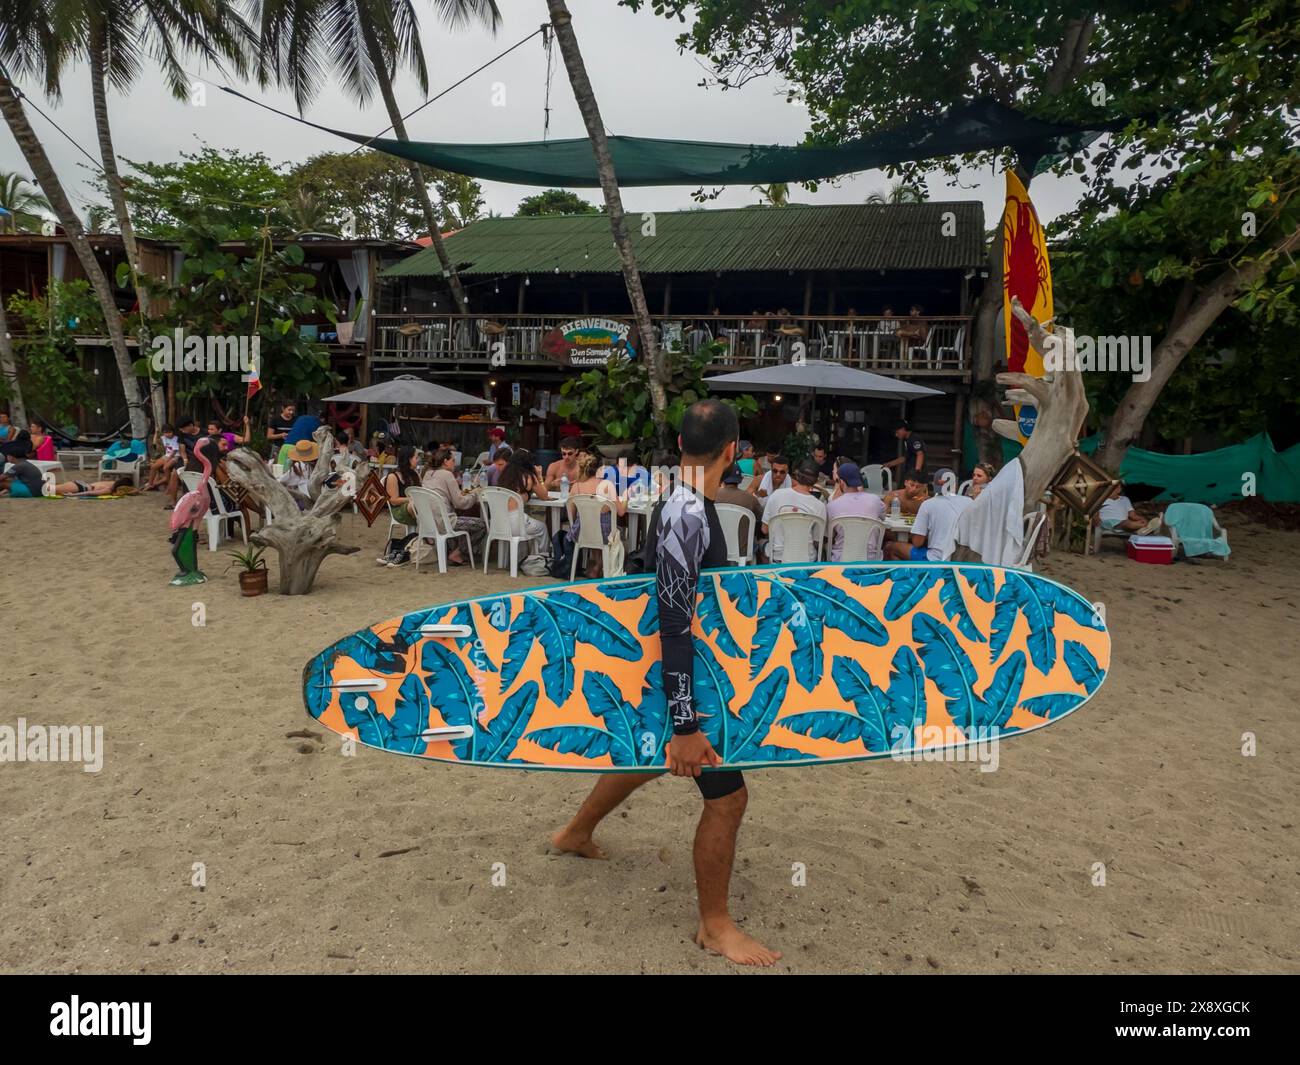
(121, 468)
(740, 549)
(1033, 526)
(863, 538)
(801, 535)
(878, 479)
(495, 503)
(434, 521)
(589, 509)
(214, 523)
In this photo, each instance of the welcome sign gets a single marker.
(588, 342)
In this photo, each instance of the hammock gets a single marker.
(979, 126)
(64, 439)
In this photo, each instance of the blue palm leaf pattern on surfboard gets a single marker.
(799, 664)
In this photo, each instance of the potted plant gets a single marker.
(253, 573)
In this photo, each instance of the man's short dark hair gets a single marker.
(806, 473)
(571, 442)
(781, 460)
(707, 427)
(17, 452)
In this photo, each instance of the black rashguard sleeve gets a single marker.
(683, 539)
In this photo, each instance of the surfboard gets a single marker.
(797, 664)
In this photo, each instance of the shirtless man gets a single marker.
(685, 537)
(566, 465)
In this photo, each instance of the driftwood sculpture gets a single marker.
(301, 538)
(1059, 398)
(1061, 403)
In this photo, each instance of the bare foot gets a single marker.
(726, 939)
(566, 842)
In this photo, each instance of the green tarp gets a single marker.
(978, 126)
(1207, 477)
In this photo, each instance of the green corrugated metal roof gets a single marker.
(797, 237)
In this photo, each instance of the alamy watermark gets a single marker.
(192, 353)
(1108, 354)
(53, 743)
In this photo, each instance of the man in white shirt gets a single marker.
(796, 495)
(773, 479)
(1117, 513)
(936, 521)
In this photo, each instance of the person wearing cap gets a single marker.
(496, 439)
(851, 500)
(935, 521)
(731, 492)
(796, 495)
(913, 456)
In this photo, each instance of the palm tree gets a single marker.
(776, 194)
(899, 192)
(22, 202)
(306, 213)
(24, 36)
(582, 91)
(365, 42)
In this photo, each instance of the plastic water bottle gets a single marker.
(564, 486)
(465, 481)
(895, 510)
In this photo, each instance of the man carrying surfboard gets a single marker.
(685, 537)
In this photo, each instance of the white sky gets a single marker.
(644, 86)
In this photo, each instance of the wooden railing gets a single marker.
(866, 343)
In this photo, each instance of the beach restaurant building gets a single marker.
(838, 280)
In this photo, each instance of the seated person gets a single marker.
(935, 520)
(566, 465)
(40, 444)
(8, 431)
(851, 500)
(500, 460)
(1117, 514)
(910, 496)
(795, 496)
(20, 478)
(773, 480)
(745, 458)
(591, 483)
(160, 469)
(979, 478)
(731, 492)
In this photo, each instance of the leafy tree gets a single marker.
(614, 399)
(899, 192)
(49, 377)
(231, 187)
(23, 202)
(1210, 90)
(377, 193)
(776, 194)
(257, 292)
(554, 201)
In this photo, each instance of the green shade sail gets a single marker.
(978, 126)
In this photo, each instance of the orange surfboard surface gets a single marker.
(795, 664)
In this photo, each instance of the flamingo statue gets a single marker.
(189, 511)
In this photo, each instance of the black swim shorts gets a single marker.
(719, 783)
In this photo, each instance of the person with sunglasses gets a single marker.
(566, 465)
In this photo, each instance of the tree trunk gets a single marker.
(117, 195)
(984, 392)
(9, 368)
(16, 118)
(586, 97)
(449, 274)
(302, 539)
(1130, 416)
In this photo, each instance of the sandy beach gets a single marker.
(316, 862)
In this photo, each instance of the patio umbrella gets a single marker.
(411, 391)
(817, 375)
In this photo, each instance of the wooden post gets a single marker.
(519, 309)
(807, 294)
(668, 296)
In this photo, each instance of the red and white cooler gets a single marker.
(1157, 550)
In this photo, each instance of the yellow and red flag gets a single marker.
(1027, 274)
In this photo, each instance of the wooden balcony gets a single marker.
(451, 340)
